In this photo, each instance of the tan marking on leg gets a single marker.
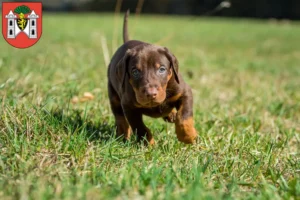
(123, 128)
(150, 141)
(185, 130)
(148, 138)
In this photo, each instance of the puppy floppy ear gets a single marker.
(122, 67)
(174, 63)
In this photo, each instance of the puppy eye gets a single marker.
(162, 70)
(135, 73)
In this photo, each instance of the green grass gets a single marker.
(246, 85)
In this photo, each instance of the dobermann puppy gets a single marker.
(143, 79)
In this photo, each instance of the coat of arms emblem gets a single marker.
(21, 23)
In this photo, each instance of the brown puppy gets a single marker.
(143, 79)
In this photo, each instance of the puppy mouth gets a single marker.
(147, 102)
(151, 103)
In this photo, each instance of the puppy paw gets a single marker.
(150, 142)
(123, 130)
(147, 139)
(185, 131)
(171, 117)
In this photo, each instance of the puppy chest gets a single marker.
(159, 111)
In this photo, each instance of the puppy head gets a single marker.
(149, 69)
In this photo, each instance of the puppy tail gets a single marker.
(125, 30)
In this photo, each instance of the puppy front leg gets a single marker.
(184, 124)
(135, 119)
(122, 125)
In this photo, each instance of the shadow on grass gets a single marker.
(74, 122)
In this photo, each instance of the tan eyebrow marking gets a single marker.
(139, 67)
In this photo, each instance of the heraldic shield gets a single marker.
(22, 23)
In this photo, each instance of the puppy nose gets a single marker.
(152, 93)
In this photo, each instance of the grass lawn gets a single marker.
(245, 77)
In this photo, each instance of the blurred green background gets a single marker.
(245, 80)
